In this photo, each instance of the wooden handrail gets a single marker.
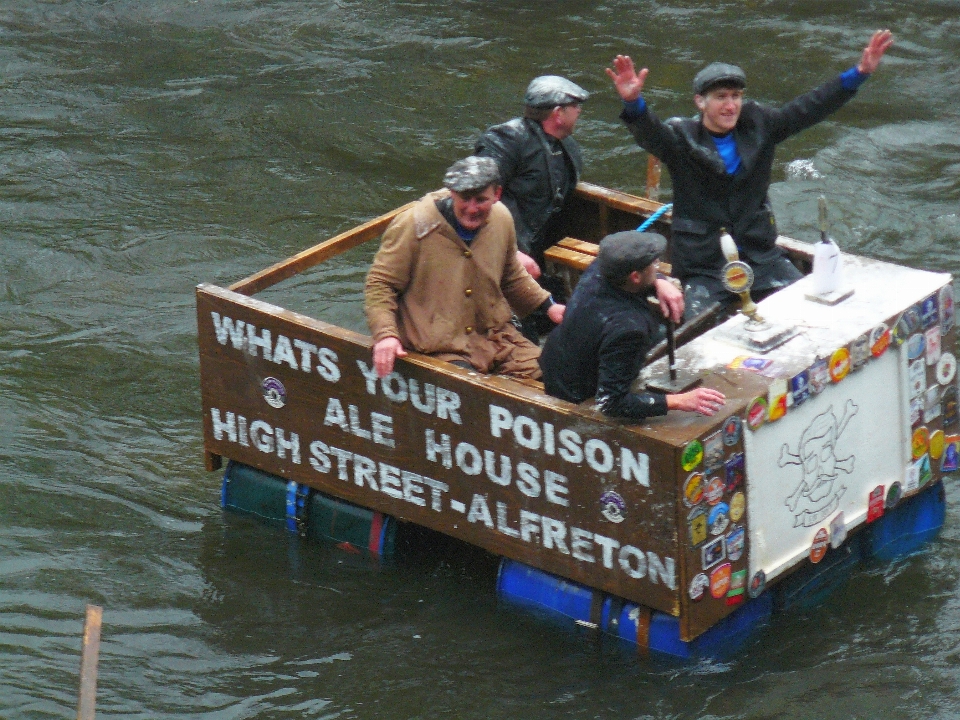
(316, 254)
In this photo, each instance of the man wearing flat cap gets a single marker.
(540, 164)
(446, 280)
(720, 163)
(607, 330)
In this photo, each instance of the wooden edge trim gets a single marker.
(618, 200)
(212, 461)
(316, 254)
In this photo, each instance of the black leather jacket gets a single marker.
(599, 348)
(530, 190)
(706, 198)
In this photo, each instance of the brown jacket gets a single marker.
(440, 296)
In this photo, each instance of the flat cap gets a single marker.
(623, 252)
(472, 173)
(719, 74)
(552, 90)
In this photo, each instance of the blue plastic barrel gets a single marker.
(544, 594)
(906, 527)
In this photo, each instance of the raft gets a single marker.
(681, 535)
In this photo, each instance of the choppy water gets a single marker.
(148, 145)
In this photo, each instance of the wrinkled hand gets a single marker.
(529, 264)
(878, 45)
(627, 81)
(670, 299)
(385, 352)
(705, 401)
(555, 312)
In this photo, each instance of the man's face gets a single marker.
(642, 282)
(473, 209)
(720, 108)
(567, 119)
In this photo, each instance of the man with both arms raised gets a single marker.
(720, 164)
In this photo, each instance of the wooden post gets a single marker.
(653, 178)
(86, 708)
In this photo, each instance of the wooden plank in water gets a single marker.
(86, 707)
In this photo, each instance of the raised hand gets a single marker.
(878, 45)
(627, 81)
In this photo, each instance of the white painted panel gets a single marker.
(824, 457)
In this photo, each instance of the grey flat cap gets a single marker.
(623, 252)
(472, 173)
(719, 74)
(552, 90)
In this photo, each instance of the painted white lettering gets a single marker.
(364, 470)
(442, 448)
(526, 432)
(601, 464)
(255, 341)
(581, 545)
(555, 535)
(320, 456)
(528, 480)
(548, 441)
(228, 426)
(370, 375)
(666, 570)
(448, 405)
(382, 427)
(437, 489)
(570, 443)
(412, 489)
(335, 415)
(490, 465)
(626, 553)
(343, 458)
(242, 433)
(500, 419)
(226, 328)
(468, 459)
(355, 428)
(479, 511)
(529, 525)
(428, 402)
(293, 445)
(502, 525)
(635, 467)
(390, 481)
(261, 434)
(608, 545)
(555, 488)
(283, 352)
(327, 367)
(397, 395)
(306, 350)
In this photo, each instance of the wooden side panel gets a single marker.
(490, 461)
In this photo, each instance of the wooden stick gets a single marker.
(88, 663)
(653, 178)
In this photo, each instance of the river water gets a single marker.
(149, 145)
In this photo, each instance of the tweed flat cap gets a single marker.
(552, 90)
(623, 252)
(472, 173)
(719, 74)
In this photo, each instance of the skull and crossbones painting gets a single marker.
(819, 491)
